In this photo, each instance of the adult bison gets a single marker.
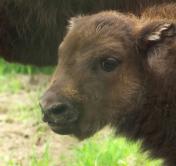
(120, 70)
(30, 30)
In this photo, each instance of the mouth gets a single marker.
(62, 124)
(63, 129)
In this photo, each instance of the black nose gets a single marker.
(50, 103)
(55, 110)
(58, 109)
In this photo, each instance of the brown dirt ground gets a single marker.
(19, 138)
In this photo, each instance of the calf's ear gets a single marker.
(154, 34)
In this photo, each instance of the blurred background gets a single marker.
(26, 141)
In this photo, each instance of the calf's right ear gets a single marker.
(153, 34)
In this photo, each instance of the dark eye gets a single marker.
(109, 64)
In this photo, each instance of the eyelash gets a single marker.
(109, 64)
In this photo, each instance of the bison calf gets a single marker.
(120, 70)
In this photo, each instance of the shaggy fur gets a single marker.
(137, 97)
(30, 30)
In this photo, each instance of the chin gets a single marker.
(82, 134)
(62, 129)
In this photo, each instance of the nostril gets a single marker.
(45, 118)
(58, 109)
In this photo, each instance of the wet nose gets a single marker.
(54, 108)
(51, 103)
(48, 101)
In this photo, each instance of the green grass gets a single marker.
(13, 68)
(107, 150)
(100, 150)
(44, 160)
(9, 72)
(9, 84)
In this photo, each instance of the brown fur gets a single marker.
(30, 30)
(138, 97)
(165, 11)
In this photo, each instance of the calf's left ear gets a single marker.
(155, 33)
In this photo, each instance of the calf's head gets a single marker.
(100, 74)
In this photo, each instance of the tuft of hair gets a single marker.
(73, 21)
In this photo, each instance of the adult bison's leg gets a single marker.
(4, 36)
